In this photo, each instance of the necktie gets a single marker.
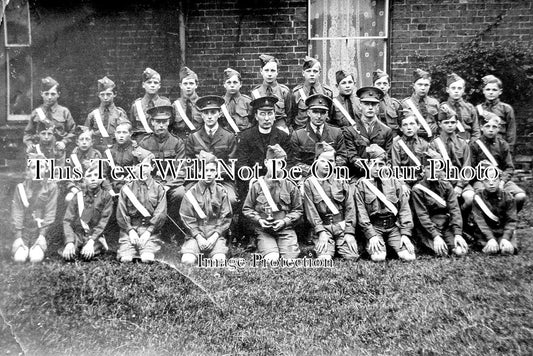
(208, 208)
(106, 118)
(269, 90)
(383, 111)
(312, 90)
(188, 109)
(451, 151)
(349, 106)
(379, 185)
(423, 108)
(318, 134)
(457, 108)
(151, 104)
(231, 105)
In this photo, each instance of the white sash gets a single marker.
(38, 149)
(182, 114)
(81, 207)
(409, 152)
(460, 126)
(419, 116)
(229, 118)
(23, 195)
(76, 161)
(100, 123)
(323, 195)
(442, 149)
(256, 94)
(381, 196)
(343, 111)
(432, 194)
(41, 114)
(142, 116)
(302, 94)
(135, 201)
(267, 194)
(109, 156)
(480, 110)
(485, 208)
(195, 205)
(487, 153)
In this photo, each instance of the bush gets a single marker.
(512, 62)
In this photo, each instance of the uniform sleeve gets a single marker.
(249, 204)
(313, 217)
(297, 208)
(341, 155)
(180, 149)
(388, 142)
(508, 172)
(71, 215)
(48, 213)
(395, 154)
(29, 130)
(232, 147)
(422, 213)
(510, 217)
(70, 125)
(405, 215)
(511, 127)
(476, 131)
(17, 213)
(243, 150)
(225, 215)
(479, 219)
(350, 213)
(123, 218)
(352, 153)
(159, 216)
(467, 162)
(456, 218)
(189, 218)
(189, 147)
(292, 109)
(88, 120)
(362, 215)
(105, 215)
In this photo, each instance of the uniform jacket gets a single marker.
(239, 109)
(501, 152)
(340, 194)
(508, 124)
(417, 145)
(368, 205)
(390, 111)
(303, 143)
(145, 101)
(337, 118)
(213, 200)
(501, 204)
(432, 217)
(432, 108)
(50, 151)
(179, 127)
(111, 116)
(164, 147)
(223, 144)
(282, 92)
(284, 193)
(466, 113)
(42, 199)
(126, 155)
(152, 196)
(98, 207)
(459, 153)
(62, 120)
(298, 110)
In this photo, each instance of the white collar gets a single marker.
(264, 131)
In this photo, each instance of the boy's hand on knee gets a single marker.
(459, 241)
(41, 240)
(322, 244)
(144, 238)
(375, 244)
(88, 250)
(69, 251)
(60, 145)
(506, 246)
(408, 244)
(202, 242)
(458, 191)
(352, 243)
(491, 246)
(440, 246)
(134, 237)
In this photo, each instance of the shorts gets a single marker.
(191, 246)
(391, 236)
(284, 242)
(127, 249)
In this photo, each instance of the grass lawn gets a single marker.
(477, 305)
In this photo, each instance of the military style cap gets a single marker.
(341, 74)
(452, 78)
(229, 72)
(105, 83)
(48, 83)
(162, 112)
(149, 73)
(209, 102)
(489, 79)
(321, 147)
(208, 157)
(83, 130)
(264, 103)
(320, 101)
(370, 94)
(420, 74)
(275, 151)
(447, 112)
(266, 58)
(41, 126)
(374, 152)
(378, 74)
(430, 154)
(309, 62)
(487, 116)
(187, 73)
(32, 155)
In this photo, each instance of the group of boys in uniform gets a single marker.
(359, 132)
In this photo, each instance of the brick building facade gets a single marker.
(89, 39)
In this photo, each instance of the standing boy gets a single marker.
(390, 109)
(346, 105)
(237, 104)
(187, 118)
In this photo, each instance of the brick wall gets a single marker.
(423, 31)
(223, 34)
